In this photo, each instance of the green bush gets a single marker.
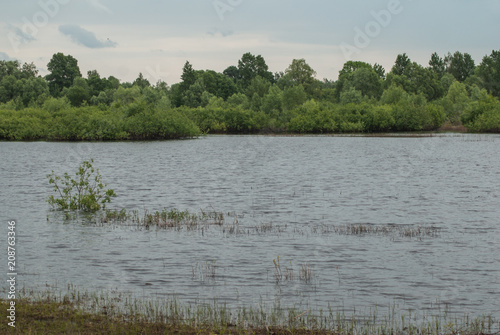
(86, 192)
(378, 119)
(487, 122)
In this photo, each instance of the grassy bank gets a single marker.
(114, 313)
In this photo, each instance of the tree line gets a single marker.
(247, 98)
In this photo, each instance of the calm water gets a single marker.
(450, 182)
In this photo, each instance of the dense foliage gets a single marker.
(247, 98)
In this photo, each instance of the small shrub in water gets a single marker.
(86, 192)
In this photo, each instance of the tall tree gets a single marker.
(96, 83)
(379, 70)
(437, 64)
(401, 65)
(233, 73)
(300, 73)
(250, 66)
(489, 71)
(188, 75)
(416, 79)
(461, 66)
(29, 70)
(348, 78)
(141, 82)
(63, 71)
(9, 68)
(366, 81)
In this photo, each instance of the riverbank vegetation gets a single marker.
(451, 92)
(73, 312)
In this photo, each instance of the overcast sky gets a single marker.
(156, 37)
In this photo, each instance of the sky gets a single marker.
(123, 38)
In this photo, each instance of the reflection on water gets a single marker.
(302, 185)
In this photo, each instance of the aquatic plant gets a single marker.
(85, 192)
(287, 274)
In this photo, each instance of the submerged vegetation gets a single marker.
(75, 312)
(450, 93)
(229, 224)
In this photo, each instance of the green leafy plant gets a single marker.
(85, 192)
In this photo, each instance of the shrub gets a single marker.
(86, 192)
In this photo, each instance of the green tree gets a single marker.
(437, 65)
(351, 96)
(379, 70)
(259, 86)
(238, 99)
(9, 68)
(218, 84)
(112, 83)
(96, 83)
(141, 82)
(10, 88)
(233, 73)
(79, 92)
(63, 71)
(345, 74)
(446, 81)
(416, 79)
(455, 102)
(481, 104)
(461, 66)
(125, 96)
(193, 96)
(300, 73)
(364, 80)
(489, 72)
(401, 65)
(29, 70)
(179, 90)
(294, 97)
(188, 75)
(35, 91)
(272, 103)
(393, 95)
(250, 66)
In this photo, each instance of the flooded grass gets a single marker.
(409, 231)
(304, 274)
(165, 219)
(111, 312)
(229, 224)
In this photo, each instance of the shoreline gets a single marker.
(112, 312)
(415, 134)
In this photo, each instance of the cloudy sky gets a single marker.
(156, 37)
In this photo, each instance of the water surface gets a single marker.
(298, 184)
